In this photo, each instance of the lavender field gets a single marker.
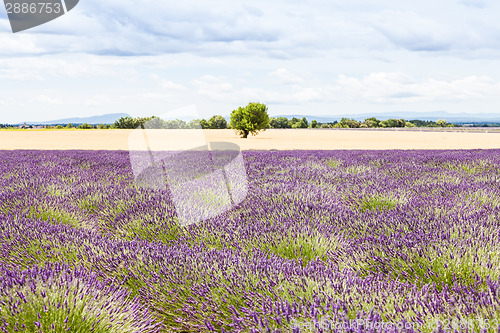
(390, 240)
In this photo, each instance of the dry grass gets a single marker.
(318, 139)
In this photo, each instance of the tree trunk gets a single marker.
(245, 134)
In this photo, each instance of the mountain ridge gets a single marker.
(108, 118)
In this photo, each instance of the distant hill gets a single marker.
(109, 118)
(449, 117)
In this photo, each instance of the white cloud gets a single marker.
(380, 87)
(139, 56)
(167, 84)
(414, 32)
(402, 88)
(67, 65)
(286, 77)
(98, 101)
(220, 89)
(47, 100)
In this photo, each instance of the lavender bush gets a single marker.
(323, 240)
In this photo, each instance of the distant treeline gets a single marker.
(219, 122)
(216, 122)
(480, 124)
(282, 122)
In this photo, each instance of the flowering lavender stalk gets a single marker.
(58, 299)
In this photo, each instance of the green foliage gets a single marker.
(349, 123)
(250, 119)
(125, 123)
(256, 111)
(194, 124)
(85, 126)
(217, 122)
(280, 122)
(393, 123)
(204, 124)
(299, 247)
(429, 123)
(174, 124)
(130, 123)
(340, 125)
(156, 123)
(442, 123)
(301, 123)
(61, 304)
(293, 121)
(376, 203)
(52, 214)
(334, 163)
(371, 122)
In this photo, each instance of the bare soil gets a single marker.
(280, 139)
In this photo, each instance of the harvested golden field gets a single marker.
(287, 139)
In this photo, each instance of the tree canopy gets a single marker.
(250, 120)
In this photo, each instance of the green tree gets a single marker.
(250, 119)
(175, 124)
(442, 123)
(131, 123)
(70, 125)
(217, 122)
(125, 123)
(372, 122)
(340, 125)
(204, 124)
(85, 126)
(423, 123)
(393, 123)
(301, 123)
(350, 123)
(155, 123)
(194, 124)
(280, 122)
(293, 121)
(314, 124)
(140, 122)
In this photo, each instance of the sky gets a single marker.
(309, 57)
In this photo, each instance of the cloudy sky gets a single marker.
(312, 57)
